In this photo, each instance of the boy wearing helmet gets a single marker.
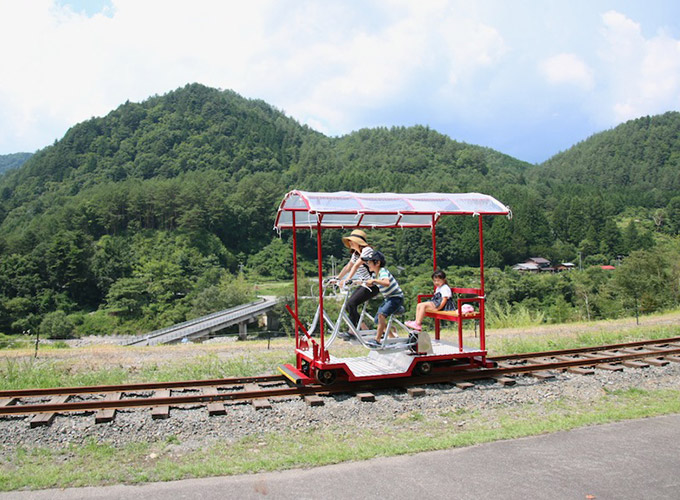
(388, 286)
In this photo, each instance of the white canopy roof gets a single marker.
(344, 209)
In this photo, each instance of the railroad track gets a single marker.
(216, 394)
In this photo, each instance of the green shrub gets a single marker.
(57, 325)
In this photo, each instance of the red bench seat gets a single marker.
(456, 315)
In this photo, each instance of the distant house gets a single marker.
(542, 263)
(526, 266)
(565, 266)
(608, 268)
(534, 264)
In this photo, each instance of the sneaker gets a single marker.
(413, 326)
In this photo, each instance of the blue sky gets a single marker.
(527, 78)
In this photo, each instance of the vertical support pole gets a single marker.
(437, 325)
(319, 256)
(460, 328)
(481, 254)
(295, 293)
(482, 321)
(434, 244)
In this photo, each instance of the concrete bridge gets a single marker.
(201, 327)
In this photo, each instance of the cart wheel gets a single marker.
(423, 368)
(326, 377)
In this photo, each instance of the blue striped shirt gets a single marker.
(391, 290)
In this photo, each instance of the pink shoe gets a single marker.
(413, 326)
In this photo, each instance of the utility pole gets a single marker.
(37, 341)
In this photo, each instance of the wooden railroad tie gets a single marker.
(609, 367)
(609, 354)
(107, 414)
(161, 412)
(602, 366)
(543, 375)
(258, 404)
(8, 401)
(505, 380)
(367, 397)
(313, 400)
(47, 418)
(464, 385)
(656, 348)
(635, 364)
(541, 361)
(657, 361)
(214, 407)
(415, 392)
(579, 370)
(654, 358)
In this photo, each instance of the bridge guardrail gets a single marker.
(190, 327)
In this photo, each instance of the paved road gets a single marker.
(629, 460)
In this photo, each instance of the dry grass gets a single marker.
(138, 360)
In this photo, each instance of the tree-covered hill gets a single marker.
(638, 160)
(143, 216)
(13, 160)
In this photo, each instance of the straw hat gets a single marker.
(357, 236)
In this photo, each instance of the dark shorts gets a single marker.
(389, 306)
(437, 300)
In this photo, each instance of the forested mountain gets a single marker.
(637, 163)
(14, 160)
(143, 215)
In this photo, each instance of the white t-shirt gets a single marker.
(362, 272)
(445, 290)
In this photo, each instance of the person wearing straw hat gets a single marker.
(357, 269)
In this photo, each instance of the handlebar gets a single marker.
(334, 281)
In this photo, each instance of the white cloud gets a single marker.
(67, 67)
(567, 69)
(641, 75)
(324, 63)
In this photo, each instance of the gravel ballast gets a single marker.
(191, 427)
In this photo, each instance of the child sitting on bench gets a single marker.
(388, 286)
(441, 301)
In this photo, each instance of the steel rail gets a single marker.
(101, 389)
(576, 350)
(434, 378)
(153, 401)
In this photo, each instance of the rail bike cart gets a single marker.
(393, 358)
